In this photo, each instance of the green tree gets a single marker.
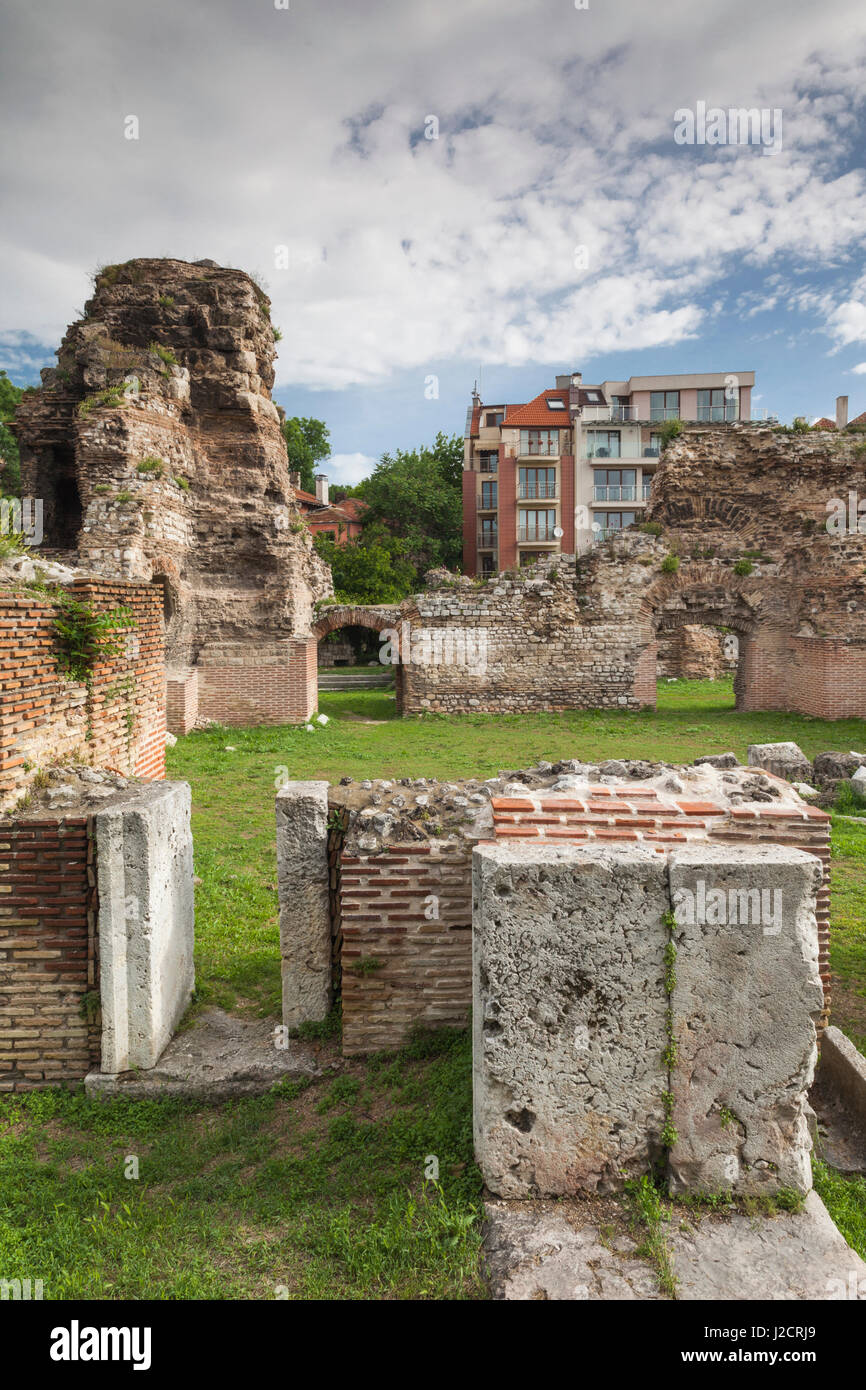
(416, 495)
(10, 470)
(371, 569)
(307, 442)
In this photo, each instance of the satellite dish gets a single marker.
(558, 532)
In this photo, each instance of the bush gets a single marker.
(151, 465)
(670, 564)
(743, 567)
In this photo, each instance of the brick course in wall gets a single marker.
(119, 722)
(48, 952)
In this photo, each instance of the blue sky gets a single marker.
(454, 257)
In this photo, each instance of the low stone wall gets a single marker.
(96, 928)
(391, 878)
(613, 1030)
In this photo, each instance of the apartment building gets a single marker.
(563, 471)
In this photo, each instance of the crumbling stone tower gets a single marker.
(156, 449)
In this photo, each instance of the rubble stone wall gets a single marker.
(156, 449)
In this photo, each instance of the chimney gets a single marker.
(573, 383)
(322, 488)
(841, 412)
(295, 481)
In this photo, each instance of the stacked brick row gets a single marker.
(407, 943)
(48, 953)
(119, 722)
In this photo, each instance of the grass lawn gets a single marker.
(319, 1191)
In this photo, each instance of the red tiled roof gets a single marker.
(859, 419)
(301, 496)
(537, 412)
(353, 506)
(824, 424)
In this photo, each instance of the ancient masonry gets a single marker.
(742, 544)
(157, 452)
(375, 880)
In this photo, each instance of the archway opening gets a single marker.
(361, 668)
(702, 634)
(63, 512)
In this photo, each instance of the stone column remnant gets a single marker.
(305, 920)
(568, 1015)
(747, 996)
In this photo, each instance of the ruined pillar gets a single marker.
(746, 1000)
(568, 1015)
(305, 918)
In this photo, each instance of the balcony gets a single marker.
(536, 491)
(628, 449)
(488, 540)
(614, 492)
(528, 535)
(619, 414)
(604, 533)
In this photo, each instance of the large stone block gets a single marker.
(783, 759)
(569, 1015)
(305, 918)
(145, 922)
(746, 999)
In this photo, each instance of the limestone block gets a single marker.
(145, 922)
(747, 995)
(783, 759)
(568, 1015)
(305, 920)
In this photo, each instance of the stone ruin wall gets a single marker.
(215, 524)
(375, 878)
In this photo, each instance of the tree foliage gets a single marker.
(371, 569)
(416, 495)
(307, 442)
(10, 471)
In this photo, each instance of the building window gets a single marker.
(603, 444)
(537, 483)
(488, 495)
(493, 419)
(615, 484)
(646, 486)
(488, 460)
(664, 405)
(716, 405)
(488, 564)
(654, 449)
(604, 524)
(535, 524)
(488, 532)
(539, 442)
(620, 408)
(529, 557)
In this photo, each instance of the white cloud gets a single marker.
(860, 369)
(348, 469)
(305, 128)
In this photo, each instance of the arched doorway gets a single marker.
(701, 599)
(368, 644)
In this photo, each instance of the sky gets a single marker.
(440, 193)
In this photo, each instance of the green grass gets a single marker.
(319, 1190)
(237, 954)
(310, 1192)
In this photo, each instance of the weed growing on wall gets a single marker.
(84, 636)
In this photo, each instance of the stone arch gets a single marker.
(704, 595)
(377, 618)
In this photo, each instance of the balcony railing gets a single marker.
(718, 414)
(618, 413)
(604, 533)
(536, 490)
(543, 534)
(538, 449)
(615, 492)
(627, 449)
(488, 540)
(664, 412)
